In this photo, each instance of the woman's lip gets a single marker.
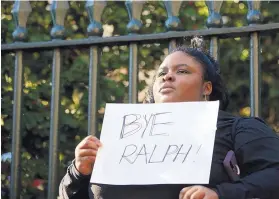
(166, 90)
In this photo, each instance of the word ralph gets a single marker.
(133, 153)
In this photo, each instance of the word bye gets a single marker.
(144, 124)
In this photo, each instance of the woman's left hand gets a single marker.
(197, 192)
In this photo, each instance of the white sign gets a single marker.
(168, 143)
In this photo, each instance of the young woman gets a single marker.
(191, 74)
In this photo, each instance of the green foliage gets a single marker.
(113, 69)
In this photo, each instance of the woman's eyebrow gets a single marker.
(175, 66)
(178, 65)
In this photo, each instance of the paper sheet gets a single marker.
(168, 143)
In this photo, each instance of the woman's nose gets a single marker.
(169, 77)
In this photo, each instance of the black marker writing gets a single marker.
(152, 156)
(199, 149)
(134, 123)
(154, 124)
(187, 152)
(131, 153)
(143, 149)
(146, 123)
(124, 155)
(169, 152)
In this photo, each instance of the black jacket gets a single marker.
(257, 151)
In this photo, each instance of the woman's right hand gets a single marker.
(85, 154)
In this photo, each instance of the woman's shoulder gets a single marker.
(249, 129)
(226, 119)
(253, 126)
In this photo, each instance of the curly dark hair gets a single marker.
(211, 72)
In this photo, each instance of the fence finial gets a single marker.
(173, 22)
(134, 10)
(21, 11)
(95, 10)
(254, 15)
(58, 12)
(214, 19)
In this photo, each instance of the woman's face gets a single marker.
(180, 79)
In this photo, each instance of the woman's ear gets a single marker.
(207, 88)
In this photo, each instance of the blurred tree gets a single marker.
(234, 60)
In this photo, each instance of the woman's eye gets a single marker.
(161, 74)
(183, 71)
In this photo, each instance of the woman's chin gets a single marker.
(167, 99)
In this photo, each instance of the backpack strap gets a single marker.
(230, 163)
(233, 130)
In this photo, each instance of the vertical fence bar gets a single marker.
(16, 142)
(255, 88)
(133, 73)
(58, 12)
(254, 17)
(93, 88)
(173, 23)
(20, 11)
(214, 47)
(134, 10)
(54, 136)
(214, 20)
(94, 29)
